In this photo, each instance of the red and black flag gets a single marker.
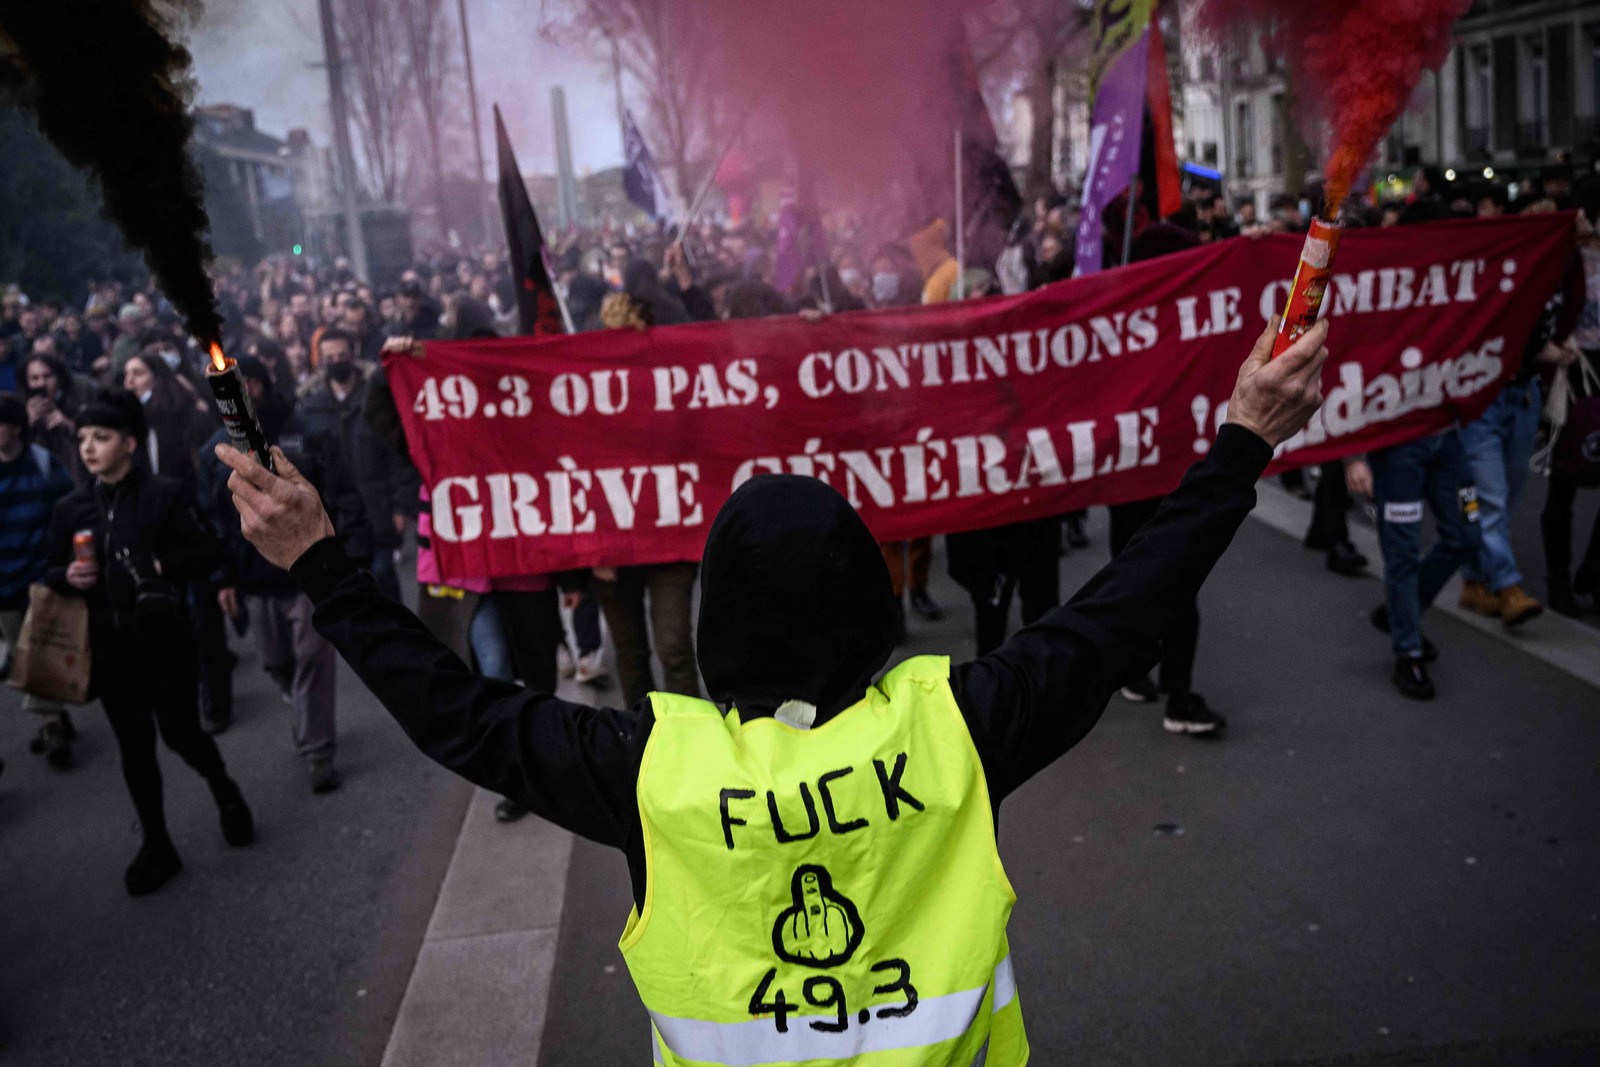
(538, 307)
(1158, 105)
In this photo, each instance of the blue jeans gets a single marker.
(489, 645)
(1498, 446)
(1432, 471)
(383, 572)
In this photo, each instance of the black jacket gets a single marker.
(177, 428)
(143, 520)
(381, 480)
(1025, 704)
(315, 456)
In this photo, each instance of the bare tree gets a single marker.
(663, 45)
(1040, 40)
(431, 50)
(380, 84)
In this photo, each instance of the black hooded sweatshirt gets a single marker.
(795, 605)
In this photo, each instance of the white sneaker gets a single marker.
(589, 669)
(564, 665)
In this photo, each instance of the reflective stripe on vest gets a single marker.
(831, 895)
(749, 1044)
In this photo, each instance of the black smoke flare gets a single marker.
(111, 86)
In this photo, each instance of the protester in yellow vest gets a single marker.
(813, 859)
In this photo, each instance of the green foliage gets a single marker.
(53, 237)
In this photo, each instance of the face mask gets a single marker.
(885, 286)
(850, 276)
(144, 397)
(171, 358)
(342, 372)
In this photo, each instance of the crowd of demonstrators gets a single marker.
(102, 399)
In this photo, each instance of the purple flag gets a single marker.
(1113, 147)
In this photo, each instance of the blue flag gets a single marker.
(640, 178)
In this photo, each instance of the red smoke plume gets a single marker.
(858, 91)
(1355, 63)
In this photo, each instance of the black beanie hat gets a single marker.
(116, 410)
(13, 412)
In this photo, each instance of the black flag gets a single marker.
(538, 308)
(991, 200)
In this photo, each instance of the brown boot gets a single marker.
(1475, 596)
(1517, 607)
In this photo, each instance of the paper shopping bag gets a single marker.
(51, 659)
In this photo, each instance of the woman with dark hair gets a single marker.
(172, 415)
(52, 403)
(273, 357)
(148, 540)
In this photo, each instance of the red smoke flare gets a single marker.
(856, 90)
(1355, 64)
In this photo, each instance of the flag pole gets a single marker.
(820, 262)
(711, 175)
(1127, 226)
(961, 229)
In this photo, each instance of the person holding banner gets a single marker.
(1574, 464)
(1403, 480)
(885, 905)
(1187, 712)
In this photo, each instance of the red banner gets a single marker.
(617, 447)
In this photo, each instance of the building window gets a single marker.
(1244, 133)
(1208, 153)
(1533, 112)
(1592, 118)
(1280, 120)
(1208, 67)
(1479, 95)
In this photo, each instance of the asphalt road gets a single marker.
(294, 951)
(1347, 878)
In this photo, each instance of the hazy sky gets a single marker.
(266, 55)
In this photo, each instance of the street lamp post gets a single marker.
(356, 240)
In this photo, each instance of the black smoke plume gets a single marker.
(111, 86)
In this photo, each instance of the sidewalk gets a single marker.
(1341, 885)
(477, 993)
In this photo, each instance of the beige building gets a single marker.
(1521, 87)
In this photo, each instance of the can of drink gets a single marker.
(83, 546)
(1310, 283)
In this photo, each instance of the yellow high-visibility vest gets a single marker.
(831, 895)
